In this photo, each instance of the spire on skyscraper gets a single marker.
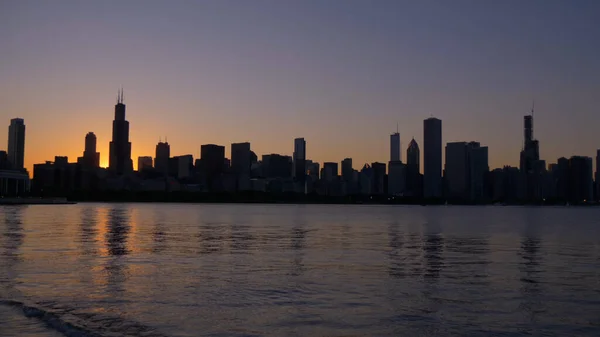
(120, 96)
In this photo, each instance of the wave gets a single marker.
(78, 324)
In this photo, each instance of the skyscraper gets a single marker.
(330, 171)
(395, 147)
(300, 159)
(396, 178)
(241, 164)
(378, 178)
(90, 157)
(144, 162)
(465, 171)
(161, 159)
(277, 166)
(120, 148)
(598, 174)
(529, 163)
(212, 164)
(413, 169)
(580, 179)
(456, 170)
(240, 158)
(16, 143)
(432, 160)
(347, 170)
(477, 170)
(561, 178)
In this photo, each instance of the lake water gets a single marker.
(298, 270)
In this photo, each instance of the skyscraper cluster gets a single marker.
(464, 177)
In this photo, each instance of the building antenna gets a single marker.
(397, 129)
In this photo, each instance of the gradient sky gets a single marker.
(340, 73)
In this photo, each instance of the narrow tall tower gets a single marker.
(120, 148)
(300, 159)
(530, 161)
(395, 147)
(16, 143)
(413, 169)
(432, 158)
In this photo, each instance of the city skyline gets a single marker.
(104, 162)
(206, 74)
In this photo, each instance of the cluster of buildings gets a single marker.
(464, 177)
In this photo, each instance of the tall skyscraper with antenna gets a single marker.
(530, 165)
(119, 160)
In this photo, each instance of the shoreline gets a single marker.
(36, 201)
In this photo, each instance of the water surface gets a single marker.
(298, 270)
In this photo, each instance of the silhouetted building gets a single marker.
(505, 184)
(241, 165)
(530, 166)
(4, 163)
(456, 171)
(432, 159)
(241, 158)
(181, 167)
(144, 163)
(395, 147)
(13, 183)
(378, 178)
(560, 178)
(90, 158)
(161, 159)
(347, 170)
(598, 174)
(300, 160)
(120, 148)
(365, 180)
(413, 170)
(580, 182)
(313, 170)
(16, 143)
(330, 172)
(58, 178)
(478, 171)
(465, 171)
(212, 164)
(396, 178)
(277, 166)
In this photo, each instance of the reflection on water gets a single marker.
(11, 241)
(89, 230)
(159, 237)
(118, 227)
(433, 250)
(395, 255)
(279, 270)
(298, 239)
(531, 278)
